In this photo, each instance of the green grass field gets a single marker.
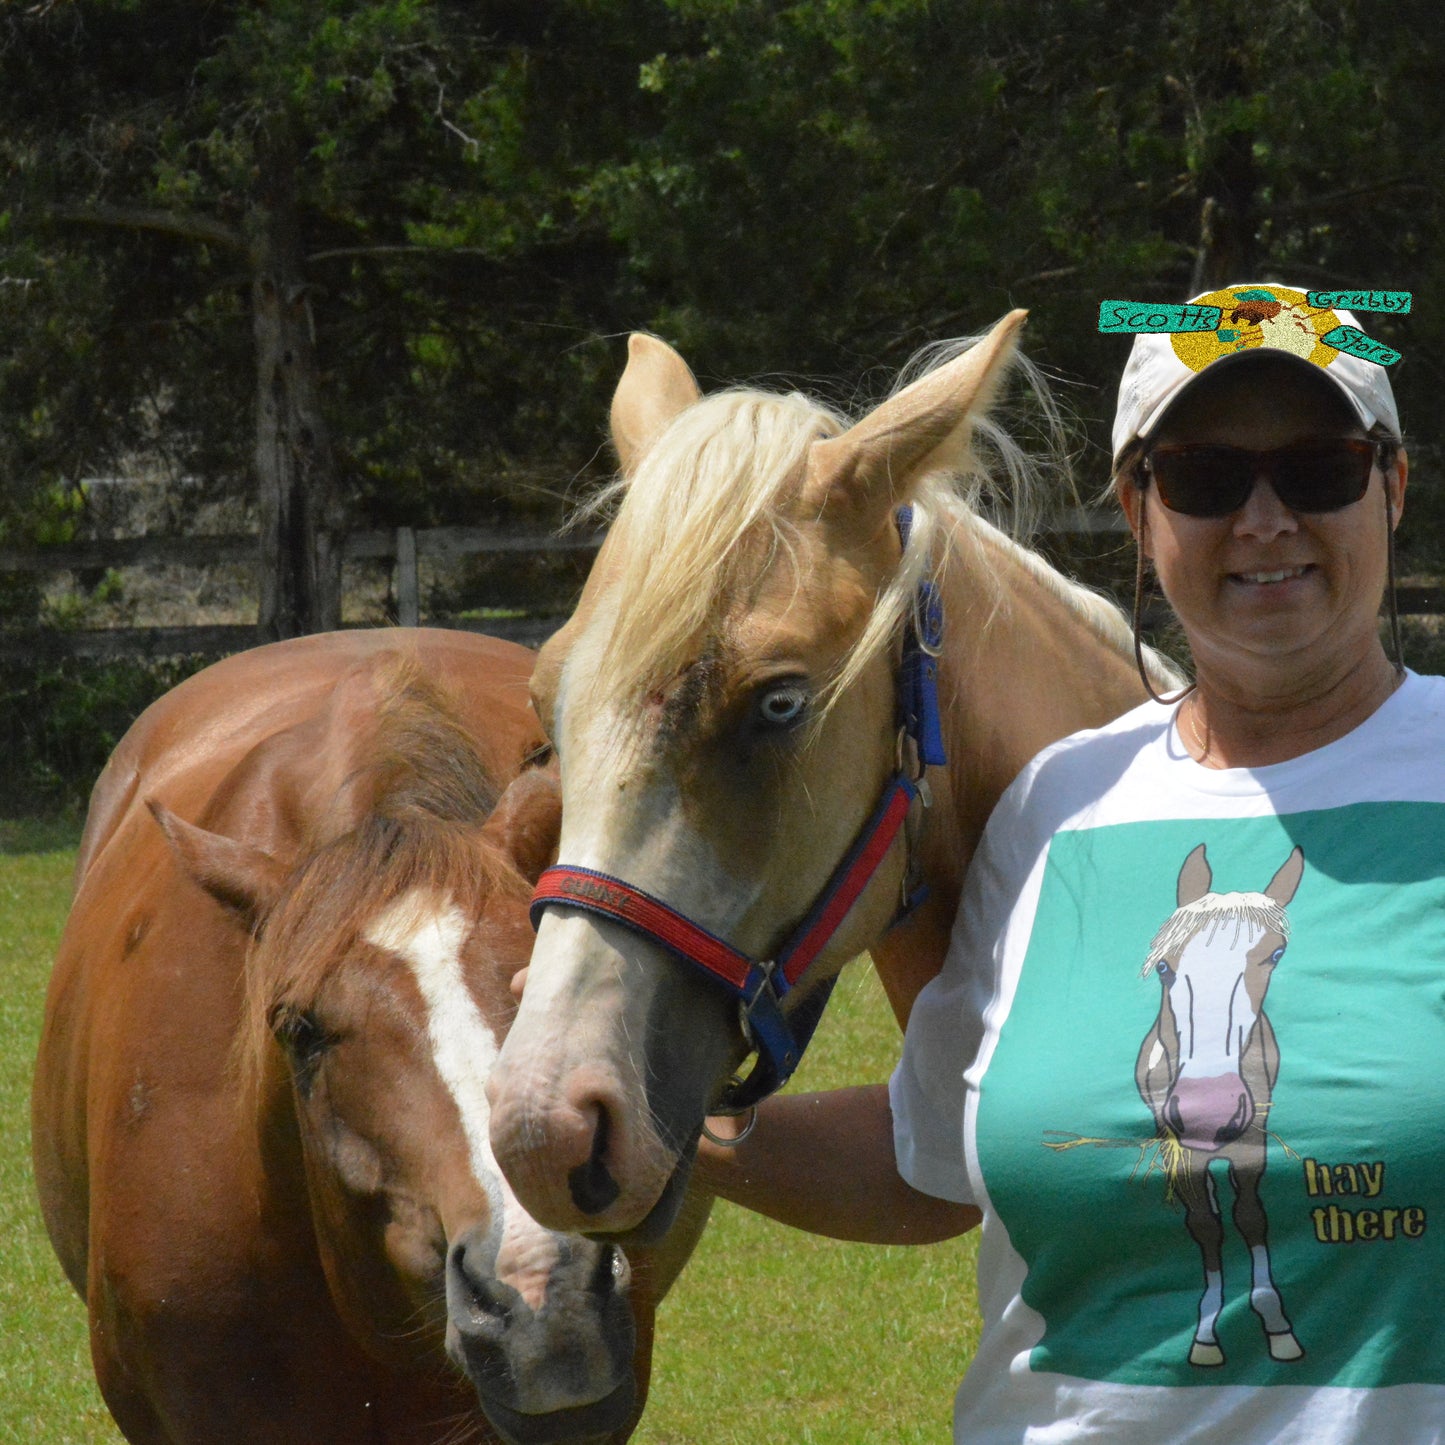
(769, 1335)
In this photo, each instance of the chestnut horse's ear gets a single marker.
(863, 475)
(1282, 886)
(527, 821)
(655, 387)
(1194, 877)
(239, 876)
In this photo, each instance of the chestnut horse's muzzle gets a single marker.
(561, 1370)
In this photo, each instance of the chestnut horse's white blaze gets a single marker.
(428, 932)
(724, 707)
(1207, 1069)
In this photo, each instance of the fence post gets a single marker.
(408, 600)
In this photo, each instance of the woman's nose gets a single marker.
(1263, 514)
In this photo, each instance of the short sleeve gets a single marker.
(928, 1091)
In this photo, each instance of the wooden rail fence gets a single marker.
(405, 548)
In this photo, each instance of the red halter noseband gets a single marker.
(761, 985)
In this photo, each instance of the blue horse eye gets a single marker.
(1165, 970)
(1276, 955)
(782, 707)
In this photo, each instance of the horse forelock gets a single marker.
(1254, 910)
(429, 791)
(702, 518)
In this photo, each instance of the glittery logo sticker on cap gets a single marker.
(1154, 316)
(1396, 302)
(1256, 316)
(1244, 318)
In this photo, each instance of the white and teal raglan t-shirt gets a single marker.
(1153, 962)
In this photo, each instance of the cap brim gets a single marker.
(1274, 355)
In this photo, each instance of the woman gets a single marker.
(1211, 1197)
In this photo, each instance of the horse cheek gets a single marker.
(1157, 1063)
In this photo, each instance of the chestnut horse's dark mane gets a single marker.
(428, 792)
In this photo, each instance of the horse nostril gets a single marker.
(1173, 1114)
(483, 1297)
(1238, 1122)
(592, 1186)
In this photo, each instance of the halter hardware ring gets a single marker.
(752, 1113)
(908, 762)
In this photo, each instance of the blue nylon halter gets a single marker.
(918, 672)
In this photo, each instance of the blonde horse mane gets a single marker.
(1255, 910)
(704, 516)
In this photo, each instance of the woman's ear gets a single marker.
(1131, 502)
(1395, 480)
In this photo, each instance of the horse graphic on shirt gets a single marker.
(1207, 1069)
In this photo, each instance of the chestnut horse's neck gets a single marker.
(1028, 657)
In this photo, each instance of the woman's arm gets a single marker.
(825, 1163)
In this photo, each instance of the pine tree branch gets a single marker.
(181, 224)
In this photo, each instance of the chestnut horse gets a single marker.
(260, 1128)
(725, 710)
(1207, 1070)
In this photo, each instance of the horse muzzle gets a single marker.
(602, 1084)
(556, 1364)
(1209, 1113)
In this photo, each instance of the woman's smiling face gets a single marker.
(1266, 584)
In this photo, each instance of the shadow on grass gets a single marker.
(39, 835)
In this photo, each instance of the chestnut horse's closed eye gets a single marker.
(259, 1115)
(725, 706)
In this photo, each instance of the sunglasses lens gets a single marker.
(1322, 476)
(1204, 480)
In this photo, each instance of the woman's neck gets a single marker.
(1223, 726)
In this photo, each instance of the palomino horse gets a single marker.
(724, 706)
(1207, 1069)
(260, 1127)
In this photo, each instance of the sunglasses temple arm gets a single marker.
(1390, 582)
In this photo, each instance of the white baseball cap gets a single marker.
(1253, 317)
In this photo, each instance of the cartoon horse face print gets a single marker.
(1207, 1069)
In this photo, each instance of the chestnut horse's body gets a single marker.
(264, 1165)
(724, 706)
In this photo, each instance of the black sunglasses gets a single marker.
(1208, 479)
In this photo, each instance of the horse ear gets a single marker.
(873, 467)
(527, 821)
(655, 387)
(1194, 877)
(1282, 886)
(239, 876)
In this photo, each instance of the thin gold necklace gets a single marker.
(1199, 742)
